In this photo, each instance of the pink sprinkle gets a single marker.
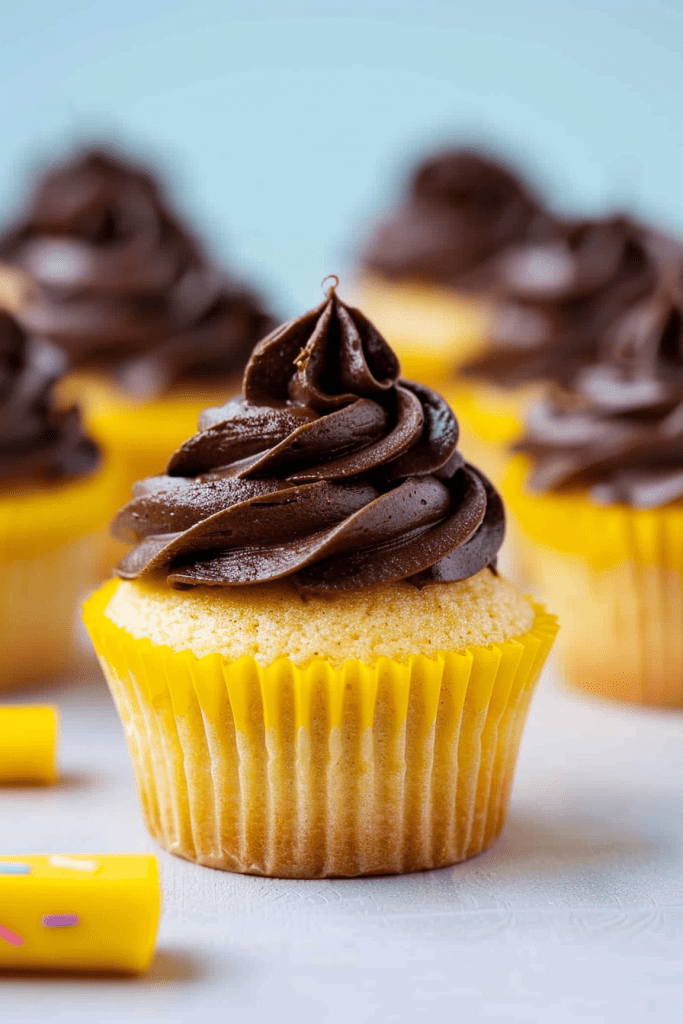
(10, 937)
(61, 920)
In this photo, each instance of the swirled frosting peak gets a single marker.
(557, 300)
(39, 442)
(461, 211)
(619, 432)
(122, 284)
(329, 470)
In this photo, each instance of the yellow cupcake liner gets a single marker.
(615, 576)
(138, 438)
(141, 436)
(490, 420)
(603, 535)
(492, 415)
(39, 601)
(34, 522)
(51, 544)
(317, 771)
(432, 330)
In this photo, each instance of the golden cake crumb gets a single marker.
(272, 620)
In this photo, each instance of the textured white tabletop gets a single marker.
(575, 915)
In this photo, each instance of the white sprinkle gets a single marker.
(72, 863)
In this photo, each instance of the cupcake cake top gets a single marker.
(557, 299)
(462, 210)
(619, 432)
(39, 442)
(329, 470)
(122, 284)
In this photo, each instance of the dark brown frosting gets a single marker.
(557, 300)
(462, 210)
(122, 284)
(329, 470)
(38, 441)
(619, 433)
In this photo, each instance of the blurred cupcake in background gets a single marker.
(15, 289)
(557, 301)
(154, 330)
(427, 270)
(55, 497)
(598, 495)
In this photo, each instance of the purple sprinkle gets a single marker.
(61, 920)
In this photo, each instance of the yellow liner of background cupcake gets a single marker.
(323, 768)
(490, 420)
(51, 540)
(615, 575)
(137, 436)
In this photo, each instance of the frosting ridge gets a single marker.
(556, 300)
(329, 469)
(38, 440)
(619, 431)
(462, 209)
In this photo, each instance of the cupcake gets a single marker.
(154, 331)
(427, 270)
(318, 669)
(598, 492)
(55, 498)
(556, 303)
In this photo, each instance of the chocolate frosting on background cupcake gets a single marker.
(38, 442)
(462, 210)
(619, 433)
(329, 470)
(122, 284)
(557, 300)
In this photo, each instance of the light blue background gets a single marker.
(284, 127)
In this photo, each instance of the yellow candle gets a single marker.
(79, 913)
(28, 744)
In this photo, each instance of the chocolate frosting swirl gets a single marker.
(461, 211)
(619, 434)
(123, 285)
(557, 300)
(329, 470)
(38, 442)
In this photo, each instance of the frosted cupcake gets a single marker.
(54, 501)
(557, 302)
(318, 669)
(154, 330)
(599, 500)
(427, 270)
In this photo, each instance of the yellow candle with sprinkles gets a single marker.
(96, 913)
(28, 744)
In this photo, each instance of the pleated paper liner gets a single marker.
(431, 329)
(615, 576)
(321, 771)
(51, 544)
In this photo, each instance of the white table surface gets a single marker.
(575, 915)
